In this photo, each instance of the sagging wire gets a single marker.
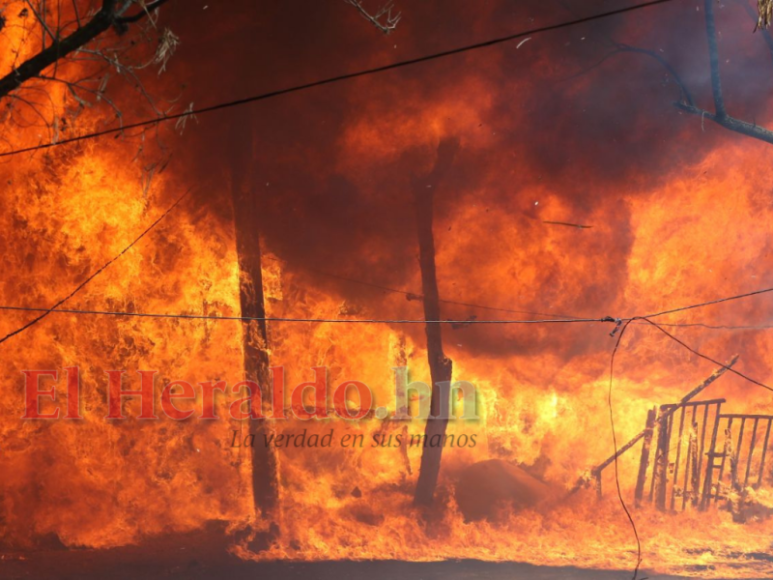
(622, 326)
(705, 357)
(343, 77)
(56, 310)
(708, 303)
(97, 272)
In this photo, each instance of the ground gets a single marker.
(203, 556)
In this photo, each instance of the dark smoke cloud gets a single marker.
(563, 115)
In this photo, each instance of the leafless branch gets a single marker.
(106, 17)
(730, 123)
(686, 96)
(76, 53)
(383, 19)
(765, 9)
(99, 94)
(167, 45)
(720, 115)
(77, 12)
(40, 15)
(126, 71)
(686, 103)
(145, 10)
(183, 121)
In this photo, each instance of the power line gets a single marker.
(563, 320)
(705, 357)
(614, 443)
(718, 326)
(335, 79)
(417, 296)
(284, 319)
(609, 397)
(709, 303)
(47, 311)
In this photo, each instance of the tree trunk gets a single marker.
(246, 209)
(440, 366)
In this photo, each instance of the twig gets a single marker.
(383, 19)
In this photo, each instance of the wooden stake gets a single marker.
(439, 365)
(246, 209)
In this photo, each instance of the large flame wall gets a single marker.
(677, 209)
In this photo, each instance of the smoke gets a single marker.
(579, 190)
(562, 129)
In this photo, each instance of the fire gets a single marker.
(646, 238)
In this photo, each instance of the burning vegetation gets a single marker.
(577, 228)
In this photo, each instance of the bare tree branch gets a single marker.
(765, 9)
(106, 17)
(382, 19)
(145, 11)
(74, 87)
(77, 13)
(686, 95)
(720, 115)
(687, 103)
(41, 17)
(731, 123)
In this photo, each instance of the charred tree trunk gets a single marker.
(246, 209)
(440, 366)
